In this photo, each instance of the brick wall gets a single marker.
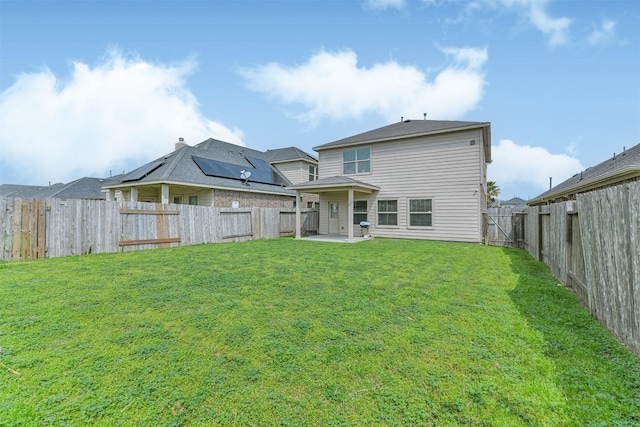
(225, 199)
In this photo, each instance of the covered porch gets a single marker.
(337, 195)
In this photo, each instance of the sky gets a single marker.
(95, 88)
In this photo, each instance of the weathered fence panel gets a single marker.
(592, 245)
(554, 238)
(610, 224)
(576, 278)
(532, 232)
(23, 228)
(55, 228)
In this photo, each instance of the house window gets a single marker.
(359, 211)
(177, 200)
(309, 205)
(313, 173)
(387, 212)
(420, 213)
(193, 200)
(356, 160)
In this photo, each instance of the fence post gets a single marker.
(540, 258)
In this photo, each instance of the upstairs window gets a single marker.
(420, 213)
(356, 160)
(313, 173)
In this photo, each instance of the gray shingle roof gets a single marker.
(83, 188)
(333, 181)
(179, 167)
(289, 154)
(625, 165)
(402, 130)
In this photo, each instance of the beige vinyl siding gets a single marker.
(206, 197)
(297, 172)
(343, 212)
(445, 168)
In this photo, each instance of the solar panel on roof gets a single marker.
(143, 171)
(262, 172)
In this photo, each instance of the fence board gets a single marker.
(6, 219)
(576, 278)
(532, 231)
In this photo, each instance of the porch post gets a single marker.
(298, 221)
(164, 194)
(350, 215)
(134, 194)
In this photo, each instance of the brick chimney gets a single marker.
(180, 144)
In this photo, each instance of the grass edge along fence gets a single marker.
(51, 228)
(592, 245)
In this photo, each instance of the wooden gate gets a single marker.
(148, 227)
(29, 229)
(505, 227)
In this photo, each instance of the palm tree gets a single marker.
(493, 191)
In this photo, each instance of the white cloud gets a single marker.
(121, 111)
(525, 166)
(604, 34)
(334, 86)
(385, 4)
(556, 29)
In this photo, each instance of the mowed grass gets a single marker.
(286, 332)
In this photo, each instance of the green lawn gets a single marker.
(286, 332)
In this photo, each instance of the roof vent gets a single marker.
(407, 121)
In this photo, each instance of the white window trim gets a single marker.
(365, 212)
(377, 212)
(315, 174)
(356, 161)
(420, 227)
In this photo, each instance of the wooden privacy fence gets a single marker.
(55, 228)
(505, 226)
(592, 245)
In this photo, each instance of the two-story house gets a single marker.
(219, 174)
(416, 179)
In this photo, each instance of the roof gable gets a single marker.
(288, 154)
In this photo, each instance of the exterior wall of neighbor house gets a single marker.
(225, 199)
(296, 171)
(447, 168)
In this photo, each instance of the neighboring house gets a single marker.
(220, 174)
(515, 202)
(83, 188)
(416, 179)
(620, 168)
